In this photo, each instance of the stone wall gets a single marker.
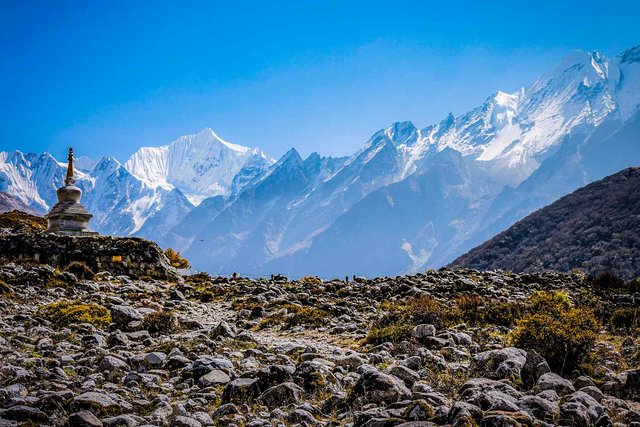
(131, 256)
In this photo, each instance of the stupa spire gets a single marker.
(70, 179)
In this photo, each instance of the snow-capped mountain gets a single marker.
(413, 198)
(409, 199)
(141, 198)
(120, 202)
(201, 166)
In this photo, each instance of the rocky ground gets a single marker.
(250, 352)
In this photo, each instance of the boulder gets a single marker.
(214, 377)
(122, 315)
(241, 390)
(376, 387)
(539, 408)
(25, 414)
(423, 331)
(83, 419)
(95, 402)
(534, 367)
(499, 364)
(555, 382)
(574, 414)
(282, 395)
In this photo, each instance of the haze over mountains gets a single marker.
(409, 199)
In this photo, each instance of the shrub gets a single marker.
(399, 319)
(625, 319)
(426, 309)
(175, 259)
(199, 278)
(22, 222)
(160, 322)
(552, 302)
(64, 313)
(602, 308)
(310, 280)
(561, 334)
(395, 332)
(296, 315)
(479, 311)
(80, 270)
(606, 281)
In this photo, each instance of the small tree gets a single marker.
(176, 259)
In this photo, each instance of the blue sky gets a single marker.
(109, 77)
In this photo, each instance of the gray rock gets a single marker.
(97, 403)
(241, 390)
(311, 376)
(574, 414)
(408, 376)
(351, 361)
(154, 359)
(462, 411)
(282, 395)
(592, 405)
(551, 381)
(112, 363)
(223, 330)
(376, 387)
(540, 408)
(549, 395)
(182, 421)
(84, 419)
(582, 381)
(214, 377)
(126, 420)
(534, 367)
(594, 392)
(122, 315)
(424, 330)
(225, 409)
(24, 413)
(499, 364)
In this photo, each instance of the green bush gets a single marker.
(80, 270)
(625, 320)
(479, 311)
(296, 315)
(563, 335)
(160, 322)
(64, 313)
(395, 332)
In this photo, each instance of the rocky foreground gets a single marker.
(251, 352)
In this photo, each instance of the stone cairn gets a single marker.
(69, 216)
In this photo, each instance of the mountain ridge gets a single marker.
(593, 229)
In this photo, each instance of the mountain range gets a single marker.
(409, 199)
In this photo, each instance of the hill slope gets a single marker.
(9, 203)
(593, 228)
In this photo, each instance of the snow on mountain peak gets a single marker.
(201, 165)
